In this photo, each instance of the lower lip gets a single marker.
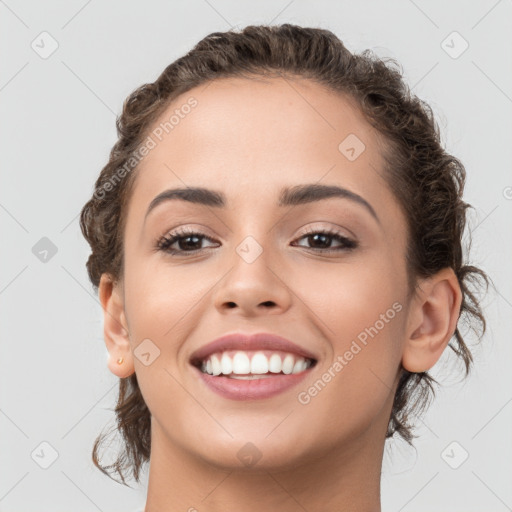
(254, 389)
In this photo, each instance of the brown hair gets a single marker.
(427, 182)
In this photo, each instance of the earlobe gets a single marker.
(432, 321)
(115, 328)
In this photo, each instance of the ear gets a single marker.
(115, 327)
(432, 320)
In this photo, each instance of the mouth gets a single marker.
(251, 367)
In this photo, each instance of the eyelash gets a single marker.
(164, 243)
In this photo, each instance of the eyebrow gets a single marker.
(289, 196)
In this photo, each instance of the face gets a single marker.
(325, 270)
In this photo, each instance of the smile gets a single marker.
(254, 364)
(251, 375)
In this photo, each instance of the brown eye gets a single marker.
(322, 240)
(186, 241)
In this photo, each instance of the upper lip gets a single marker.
(256, 341)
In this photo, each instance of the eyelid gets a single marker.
(182, 232)
(349, 241)
(190, 229)
(342, 231)
(311, 228)
(173, 236)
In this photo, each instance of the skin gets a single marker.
(248, 138)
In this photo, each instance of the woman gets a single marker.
(276, 243)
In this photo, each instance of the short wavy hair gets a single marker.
(427, 182)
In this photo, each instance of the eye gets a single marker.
(187, 240)
(321, 241)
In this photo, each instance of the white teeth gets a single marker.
(275, 364)
(226, 364)
(288, 364)
(259, 364)
(241, 366)
(298, 366)
(216, 367)
(241, 363)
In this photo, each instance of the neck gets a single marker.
(344, 479)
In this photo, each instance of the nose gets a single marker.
(253, 285)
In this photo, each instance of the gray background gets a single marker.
(57, 128)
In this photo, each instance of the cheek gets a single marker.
(158, 299)
(159, 296)
(360, 310)
(348, 297)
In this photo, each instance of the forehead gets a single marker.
(256, 136)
